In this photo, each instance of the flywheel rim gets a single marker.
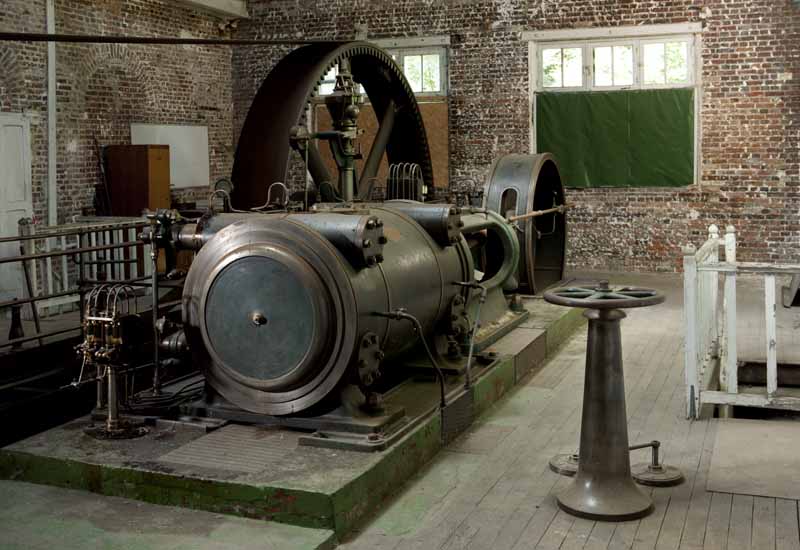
(263, 152)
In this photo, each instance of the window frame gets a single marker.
(693, 32)
(588, 46)
(399, 55)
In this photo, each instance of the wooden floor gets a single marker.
(492, 489)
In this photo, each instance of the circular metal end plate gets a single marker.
(270, 315)
(664, 476)
(564, 464)
(263, 316)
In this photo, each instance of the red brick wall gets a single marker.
(750, 110)
(103, 88)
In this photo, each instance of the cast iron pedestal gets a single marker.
(603, 488)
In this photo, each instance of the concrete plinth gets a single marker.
(261, 472)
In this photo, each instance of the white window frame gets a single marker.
(587, 54)
(400, 55)
(639, 35)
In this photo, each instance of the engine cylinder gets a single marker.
(275, 310)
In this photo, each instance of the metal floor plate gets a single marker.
(248, 449)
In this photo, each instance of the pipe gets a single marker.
(401, 314)
(67, 233)
(536, 213)
(116, 39)
(156, 341)
(74, 251)
(52, 146)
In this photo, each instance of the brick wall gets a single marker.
(103, 88)
(750, 110)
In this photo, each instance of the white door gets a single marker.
(16, 198)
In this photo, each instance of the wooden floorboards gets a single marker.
(493, 489)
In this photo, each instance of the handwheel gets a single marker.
(603, 297)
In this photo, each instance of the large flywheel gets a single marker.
(263, 152)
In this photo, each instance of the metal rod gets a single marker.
(32, 299)
(42, 255)
(156, 339)
(70, 232)
(34, 310)
(38, 336)
(157, 40)
(536, 213)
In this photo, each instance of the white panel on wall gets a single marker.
(188, 150)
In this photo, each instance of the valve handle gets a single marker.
(603, 296)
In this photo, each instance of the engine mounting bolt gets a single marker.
(370, 224)
(367, 243)
(379, 258)
(379, 355)
(382, 240)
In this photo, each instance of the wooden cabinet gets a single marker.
(138, 178)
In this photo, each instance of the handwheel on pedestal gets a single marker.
(603, 488)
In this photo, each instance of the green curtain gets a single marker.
(636, 138)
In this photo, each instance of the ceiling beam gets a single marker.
(224, 8)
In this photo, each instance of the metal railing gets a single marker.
(58, 262)
(711, 357)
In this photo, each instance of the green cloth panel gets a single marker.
(630, 138)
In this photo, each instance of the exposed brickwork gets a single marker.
(750, 110)
(103, 88)
(750, 105)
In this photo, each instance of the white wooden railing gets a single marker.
(710, 354)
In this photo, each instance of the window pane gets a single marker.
(653, 63)
(623, 65)
(573, 67)
(603, 74)
(676, 55)
(326, 88)
(551, 68)
(412, 67)
(431, 76)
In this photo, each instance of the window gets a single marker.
(624, 64)
(613, 66)
(562, 68)
(617, 112)
(665, 63)
(424, 68)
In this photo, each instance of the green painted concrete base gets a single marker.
(305, 486)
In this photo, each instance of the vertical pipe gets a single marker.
(156, 364)
(52, 147)
(112, 423)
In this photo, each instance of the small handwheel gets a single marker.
(603, 297)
